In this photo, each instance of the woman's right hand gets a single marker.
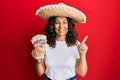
(36, 53)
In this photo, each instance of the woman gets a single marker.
(63, 56)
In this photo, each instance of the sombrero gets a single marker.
(61, 9)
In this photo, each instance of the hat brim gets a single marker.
(66, 11)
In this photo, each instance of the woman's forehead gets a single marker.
(61, 18)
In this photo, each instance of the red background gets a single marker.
(18, 23)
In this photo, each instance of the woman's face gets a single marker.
(61, 26)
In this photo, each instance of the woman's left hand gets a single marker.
(82, 48)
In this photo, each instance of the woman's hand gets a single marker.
(82, 48)
(36, 53)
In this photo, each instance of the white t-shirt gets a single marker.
(60, 61)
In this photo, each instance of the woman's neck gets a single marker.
(61, 38)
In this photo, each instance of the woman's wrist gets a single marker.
(39, 61)
(82, 56)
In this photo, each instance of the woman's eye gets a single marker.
(65, 22)
(56, 22)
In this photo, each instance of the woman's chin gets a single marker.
(62, 34)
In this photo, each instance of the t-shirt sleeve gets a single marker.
(76, 52)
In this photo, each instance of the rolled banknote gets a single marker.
(39, 40)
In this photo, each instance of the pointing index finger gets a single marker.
(84, 40)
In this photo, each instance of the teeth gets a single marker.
(61, 30)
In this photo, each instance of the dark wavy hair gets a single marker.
(51, 34)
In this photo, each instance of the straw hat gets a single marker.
(61, 9)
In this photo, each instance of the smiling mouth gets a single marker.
(61, 30)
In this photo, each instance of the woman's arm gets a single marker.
(81, 65)
(40, 67)
(40, 64)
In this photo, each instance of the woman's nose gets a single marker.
(61, 25)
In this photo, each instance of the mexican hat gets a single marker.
(61, 9)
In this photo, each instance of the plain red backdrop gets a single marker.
(18, 23)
